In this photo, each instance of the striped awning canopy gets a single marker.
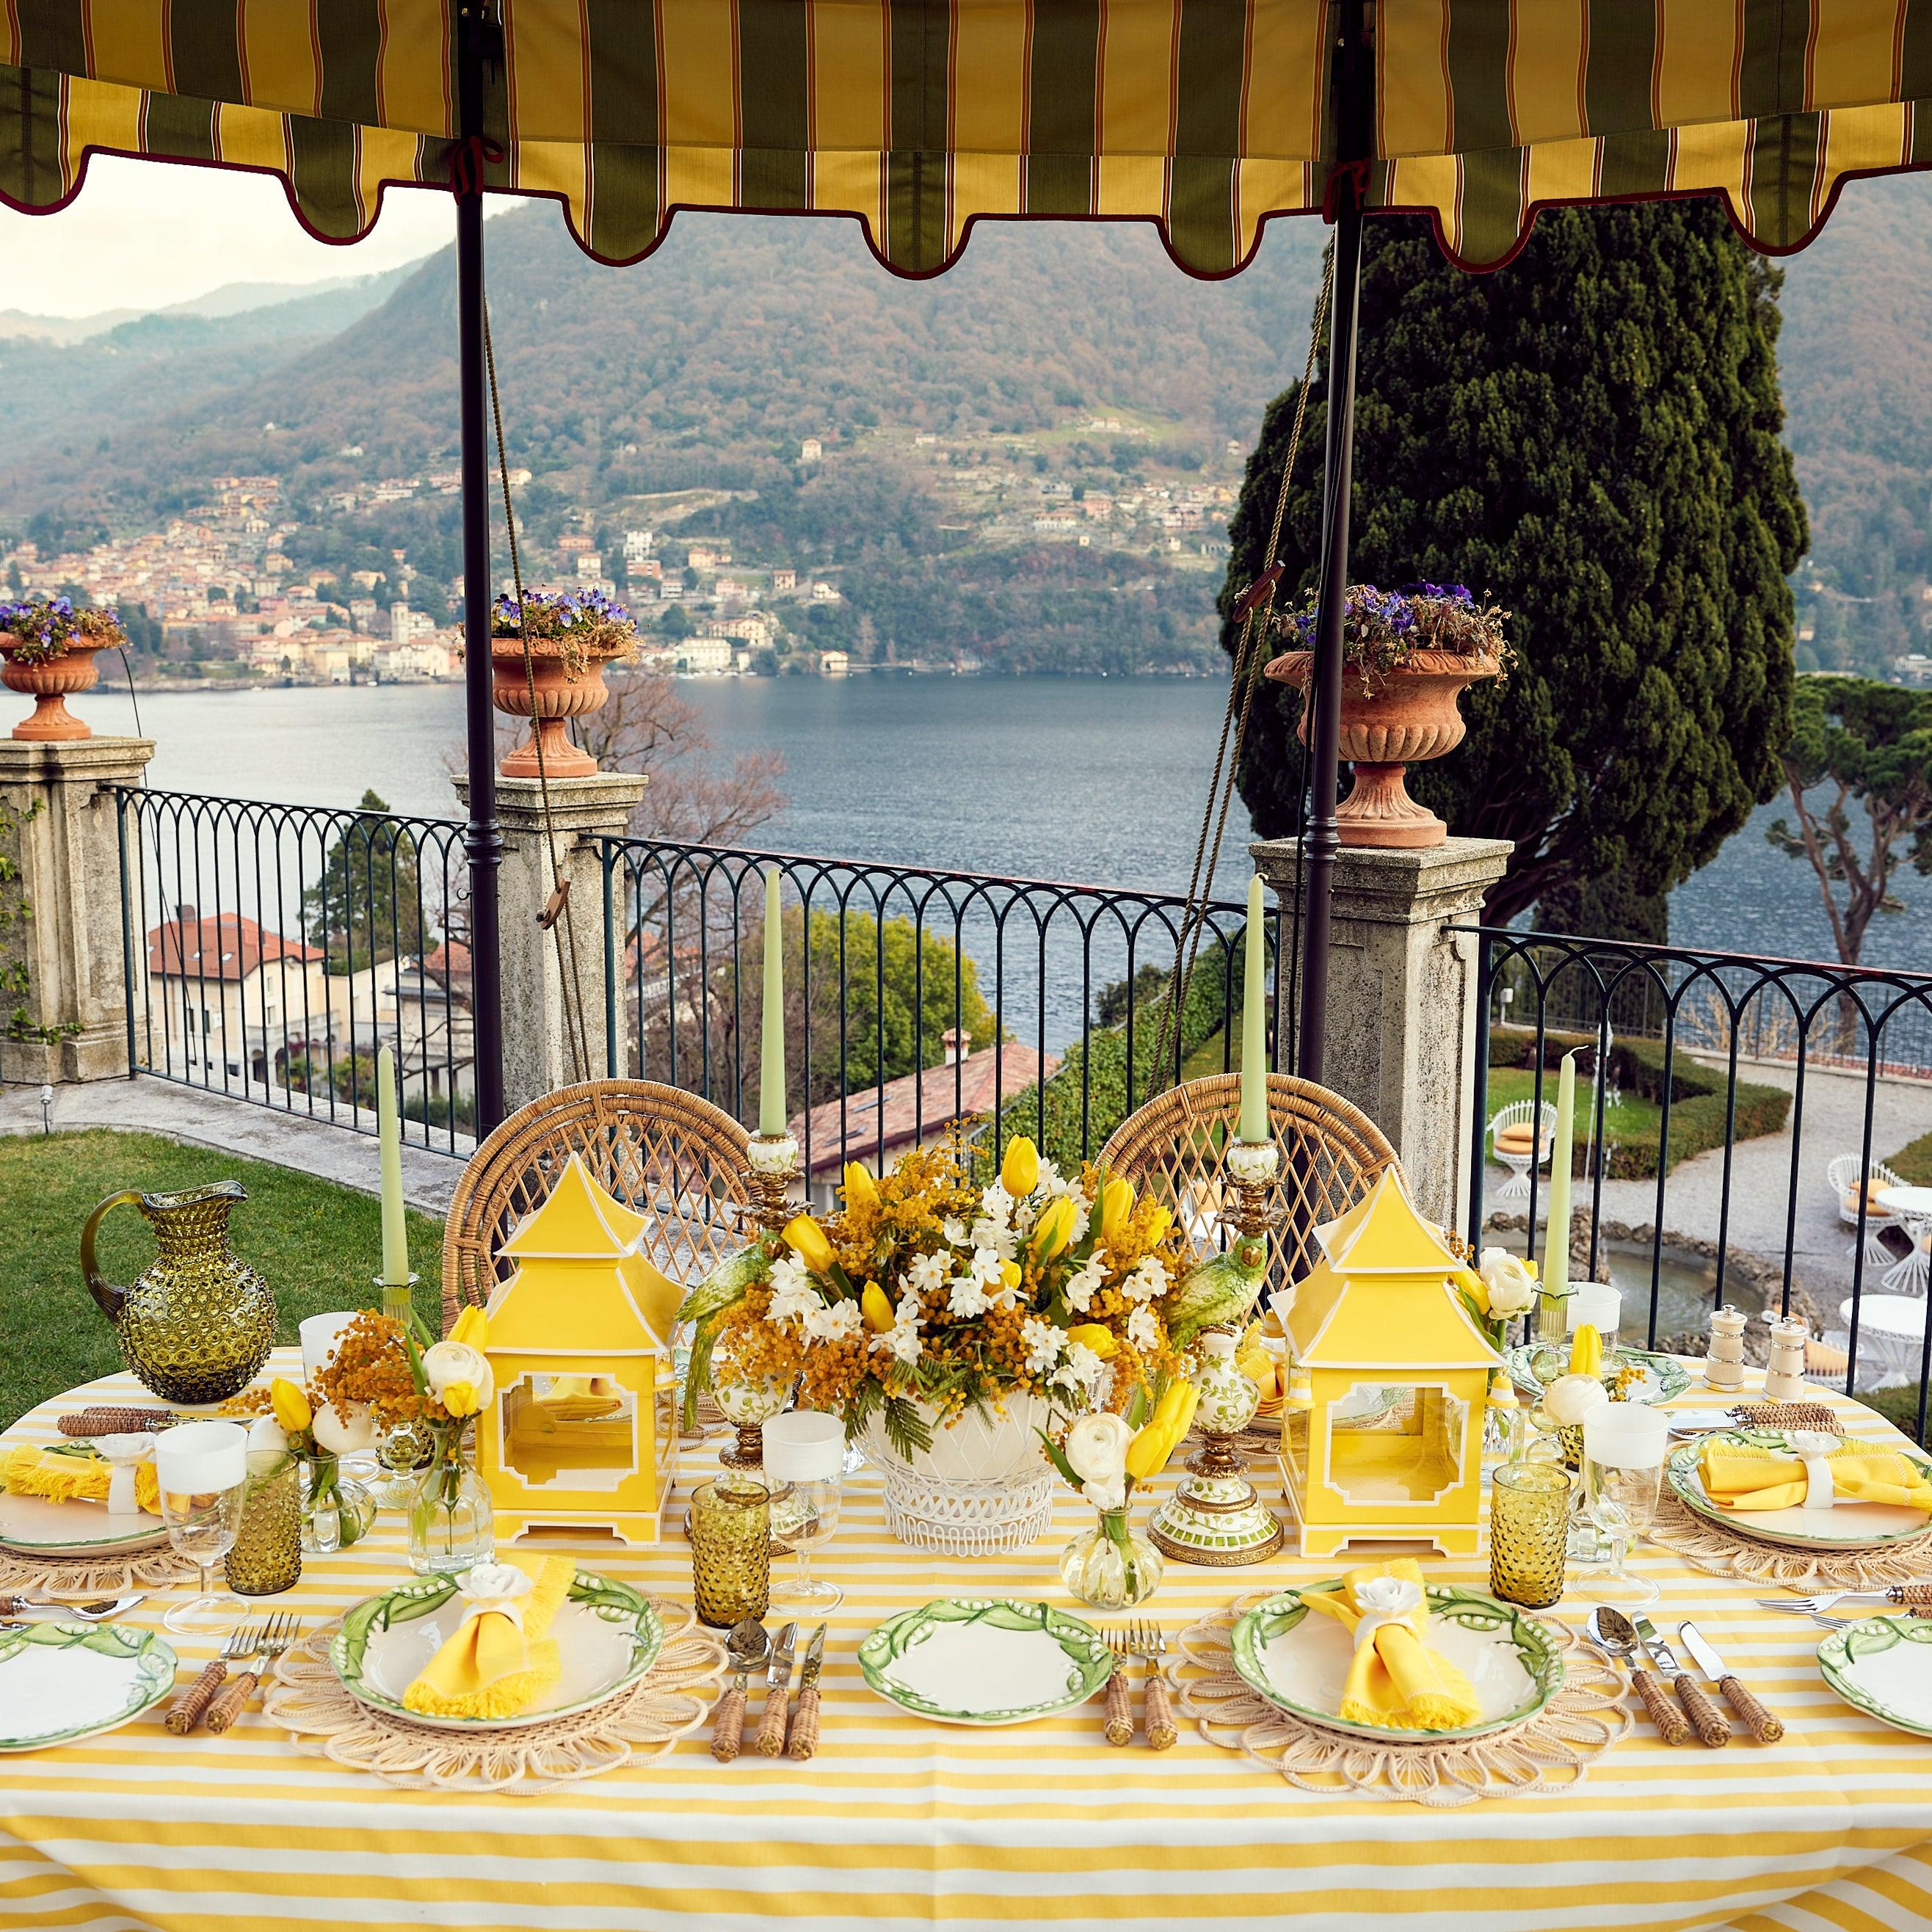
(918, 117)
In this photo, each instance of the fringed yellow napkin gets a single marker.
(63, 1476)
(1396, 1680)
(579, 1398)
(500, 1658)
(1739, 1476)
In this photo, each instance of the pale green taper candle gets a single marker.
(1254, 1022)
(1556, 1237)
(771, 1062)
(389, 1140)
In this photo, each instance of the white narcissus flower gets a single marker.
(1045, 1344)
(1096, 1447)
(902, 1342)
(1148, 1281)
(457, 1372)
(954, 1229)
(966, 1296)
(928, 1272)
(1511, 1291)
(996, 1204)
(833, 1323)
(794, 1295)
(1087, 1281)
(995, 1237)
(343, 1436)
(1143, 1330)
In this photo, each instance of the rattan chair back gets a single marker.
(1176, 1146)
(672, 1157)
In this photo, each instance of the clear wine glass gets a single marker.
(804, 1462)
(203, 1470)
(1624, 1444)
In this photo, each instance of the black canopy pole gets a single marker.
(1320, 836)
(476, 45)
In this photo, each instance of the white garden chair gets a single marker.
(1843, 1175)
(1909, 1277)
(1519, 1146)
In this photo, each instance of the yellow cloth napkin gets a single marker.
(579, 1398)
(1741, 1476)
(500, 1658)
(1396, 1680)
(28, 1472)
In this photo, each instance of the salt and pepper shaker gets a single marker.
(1724, 1366)
(1784, 1379)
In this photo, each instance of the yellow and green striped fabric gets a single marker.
(901, 1824)
(917, 117)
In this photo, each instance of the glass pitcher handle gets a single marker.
(104, 1291)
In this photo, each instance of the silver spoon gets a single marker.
(1613, 1633)
(98, 1612)
(746, 1645)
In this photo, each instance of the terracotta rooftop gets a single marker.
(917, 1107)
(224, 947)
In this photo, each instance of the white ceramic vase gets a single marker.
(984, 1487)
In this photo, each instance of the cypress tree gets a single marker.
(1590, 436)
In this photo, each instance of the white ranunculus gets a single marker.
(1570, 1398)
(449, 1362)
(265, 1432)
(1108, 1494)
(1097, 1446)
(343, 1436)
(1511, 1290)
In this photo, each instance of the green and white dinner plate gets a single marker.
(1845, 1525)
(1299, 1662)
(34, 1526)
(1882, 1666)
(1663, 1377)
(984, 1660)
(61, 1682)
(607, 1633)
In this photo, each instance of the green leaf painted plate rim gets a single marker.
(1671, 1377)
(1091, 1662)
(1870, 1636)
(155, 1663)
(1689, 1491)
(614, 1602)
(1534, 1645)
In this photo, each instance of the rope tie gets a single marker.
(469, 156)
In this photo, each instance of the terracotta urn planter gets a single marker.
(559, 694)
(1409, 716)
(48, 683)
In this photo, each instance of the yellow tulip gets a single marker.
(807, 1240)
(1054, 1228)
(1117, 1203)
(1586, 1351)
(290, 1406)
(461, 1400)
(1019, 1172)
(1159, 1221)
(1092, 1335)
(861, 1190)
(1175, 1409)
(1009, 1273)
(1473, 1286)
(471, 1328)
(1148, 1452)
(877, 1308)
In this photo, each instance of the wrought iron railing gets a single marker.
(271, 950)
(1737, 1119)
(915, 996)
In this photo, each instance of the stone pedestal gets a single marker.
(537, 1057)
(1402, 997)
(61, 833)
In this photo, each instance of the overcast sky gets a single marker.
(146, 235)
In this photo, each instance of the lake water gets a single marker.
(1100, 780)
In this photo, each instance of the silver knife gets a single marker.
(1766, 1729)
(803, 1740)
(778, 1694)
(1706, 1719)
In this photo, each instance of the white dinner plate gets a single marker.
(1882, 1666)
(34, 1526)
(61, 1681)
(984, 1660)
(1845, 1525)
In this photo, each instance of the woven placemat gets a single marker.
(1545, 1754)
(1720, 1551)
(307, 1700)
(101, 1576)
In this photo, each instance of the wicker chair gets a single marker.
(1176, 1146)
(674, 1158)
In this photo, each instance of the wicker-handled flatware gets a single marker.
(1615, 1635)
(1148, 1640)
(802, 1741)
(747, 1646)
(1761, 1725)
(1712, 1727)
(271, 1639)
(778, 1694)
(1118, 1728)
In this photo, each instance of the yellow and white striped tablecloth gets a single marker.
(901, 1823)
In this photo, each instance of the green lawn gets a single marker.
(1630, 1116)
(317, 1244)
(1912, 1163)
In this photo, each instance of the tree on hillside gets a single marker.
(368, 905)
(1859, 752)
(1589, 436)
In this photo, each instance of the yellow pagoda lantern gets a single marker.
(582, 1433)
(1382, 1436)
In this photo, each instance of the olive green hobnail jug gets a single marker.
(199, 1323)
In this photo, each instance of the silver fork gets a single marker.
(1148, 1640)
(1817, 1605)
(265, 1640)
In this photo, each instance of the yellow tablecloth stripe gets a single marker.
(898, 1823)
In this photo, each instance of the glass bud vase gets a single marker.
(1111, 1567)
(336, 1510)
(451, 1524)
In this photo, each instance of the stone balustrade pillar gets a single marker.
(537, 1057)
(1402, 997)
(61, 835)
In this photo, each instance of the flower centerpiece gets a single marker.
(572, 634)
(949, 1323)
(389, 1374)
(47, 650)
(336, 1511)
(1113, 1566)
(1408, 655)
(1496, 1291)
